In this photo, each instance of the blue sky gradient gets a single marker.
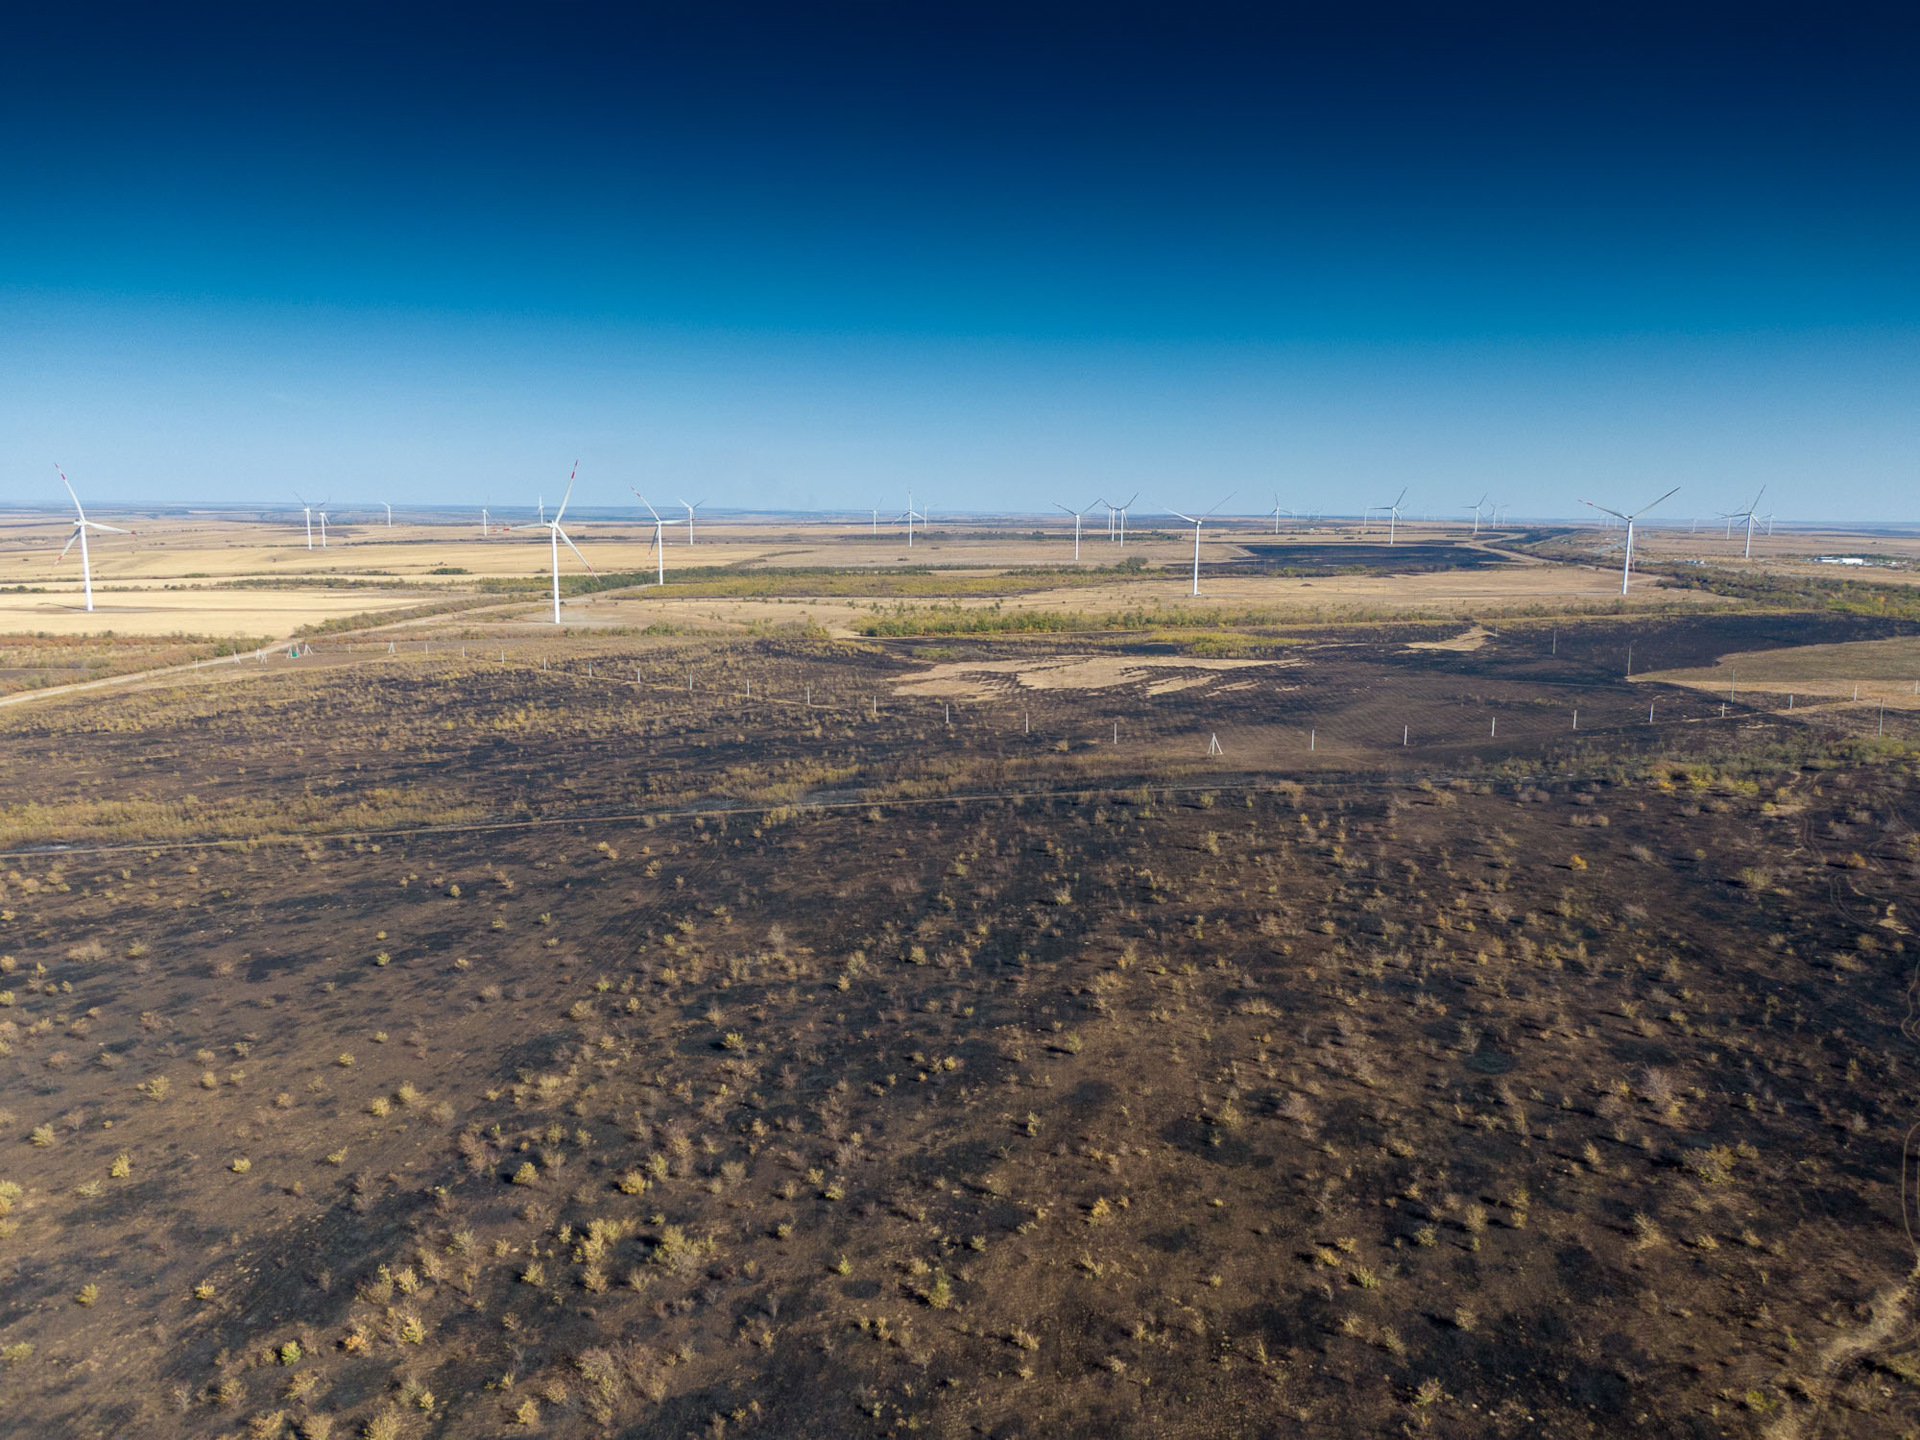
(809, 256)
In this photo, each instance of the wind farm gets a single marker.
(1217, 735)
(1065, 770)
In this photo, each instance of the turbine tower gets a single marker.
(81, 524)
(1626, 566)
(1076, 522)
(1197, 521)
(1751, 520)
(690, 509)
(1393, 513)
(555, 535)
(307, 510)
(659, 537)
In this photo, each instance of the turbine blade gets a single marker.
(1228, 496)
(1644, 508)
(1604, 511)
(575, 548)
(110, 529)
(568, 496)
(643, 500)
(68, 546)
(76, 499)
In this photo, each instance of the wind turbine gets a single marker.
(1076, 523)
(485, 523)
(1751, 519)
(1197, 521)
(389, 515)
(910, 516)
(690, 509)
(307, 510)
(1626, 567)
(1393, 513)
(1478, 506)
(81, 525)
(555, 535)
(659, 535)
(323, 524)
(1121, 512)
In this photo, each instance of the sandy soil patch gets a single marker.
(983, 679)
(1471, 639)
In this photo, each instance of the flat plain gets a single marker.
(1016, 1007)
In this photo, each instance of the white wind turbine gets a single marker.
(1751, 520)
(323, 524)
(307, 511)
(1076, 523)
(659, 536)
(690, 509)
(81, 524)
(555, 535)
(1626, 567)
(1478, 506)
(1393, 513)
(910, 516)
(1119, 513)
(1197, 521)
(389, 515)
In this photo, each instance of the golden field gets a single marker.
(219, 577)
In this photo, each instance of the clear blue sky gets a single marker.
(810, 255)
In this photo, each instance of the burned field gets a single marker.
(550, 1052)
(1319, 557)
